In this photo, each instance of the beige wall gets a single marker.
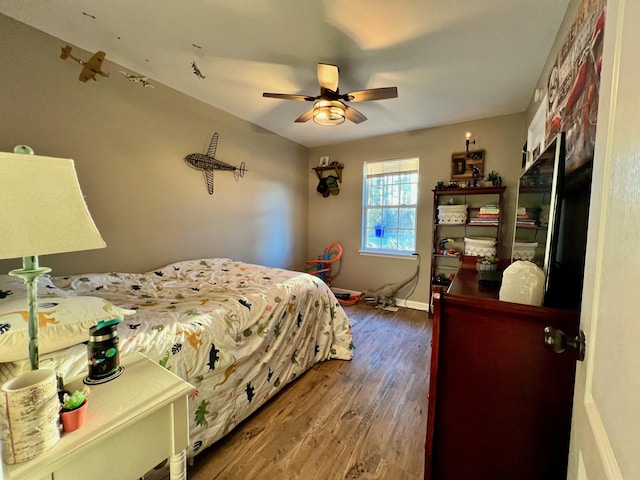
(339, 218)
(129, 143)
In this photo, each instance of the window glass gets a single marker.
(390, 197)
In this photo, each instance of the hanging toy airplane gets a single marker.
(144, 81)
(196, 71)
(208, 163)
(90, 68)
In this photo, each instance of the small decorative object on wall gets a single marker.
(196, 70)
(468, 165)
(468, 141)
(324, 161)
(89, 69)
(144, 81)
(208, 163)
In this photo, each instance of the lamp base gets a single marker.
(30, 272)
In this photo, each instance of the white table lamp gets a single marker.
(43, 212)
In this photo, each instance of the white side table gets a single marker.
(134, 422)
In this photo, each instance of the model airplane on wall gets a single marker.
(144, 81)
(196, 71)
(208, 163)
(89, 69)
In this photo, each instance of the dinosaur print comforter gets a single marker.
(235, 331)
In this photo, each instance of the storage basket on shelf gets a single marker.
(480, 246)
(524, 250)
(452, 214)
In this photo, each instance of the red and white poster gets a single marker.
(574, 85)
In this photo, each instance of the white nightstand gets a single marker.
(134, 422)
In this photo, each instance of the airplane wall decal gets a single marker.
(208, 163)
(144, 81)
(196, 70)
(89, 69)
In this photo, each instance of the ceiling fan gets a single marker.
(329, 107)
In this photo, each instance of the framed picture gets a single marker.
(573, 85)
(465, 167)
(324, 162)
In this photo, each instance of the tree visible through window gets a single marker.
(390, 197)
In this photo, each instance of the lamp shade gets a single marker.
(328, 112)
(43, 210)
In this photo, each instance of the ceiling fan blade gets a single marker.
(305, 117)
(286, 96)
(354, 115)
(371, 94)
(328, 76)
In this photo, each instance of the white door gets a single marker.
(605, 439)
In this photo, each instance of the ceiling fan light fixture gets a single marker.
(328, 112)
(328, 109)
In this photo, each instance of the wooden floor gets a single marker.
(359, 419)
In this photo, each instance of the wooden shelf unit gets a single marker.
(474, 198)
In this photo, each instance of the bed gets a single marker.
(237, 332)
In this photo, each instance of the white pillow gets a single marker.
(14, 286)
(63, 322)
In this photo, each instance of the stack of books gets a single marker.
(523, 220)
(489, 215)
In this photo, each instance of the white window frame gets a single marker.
(392, 174)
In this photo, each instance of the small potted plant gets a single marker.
(74, 409)
(487, 264)
(494, 179)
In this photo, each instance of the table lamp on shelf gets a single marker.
(43, 212)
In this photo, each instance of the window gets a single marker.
(389, 199)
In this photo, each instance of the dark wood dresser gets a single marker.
(499, 401)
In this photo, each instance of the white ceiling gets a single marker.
(452, 60)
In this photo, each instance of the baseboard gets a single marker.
(412, 304)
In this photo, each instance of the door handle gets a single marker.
(556, 341)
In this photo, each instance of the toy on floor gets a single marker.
(332, 254)
(385, 296)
